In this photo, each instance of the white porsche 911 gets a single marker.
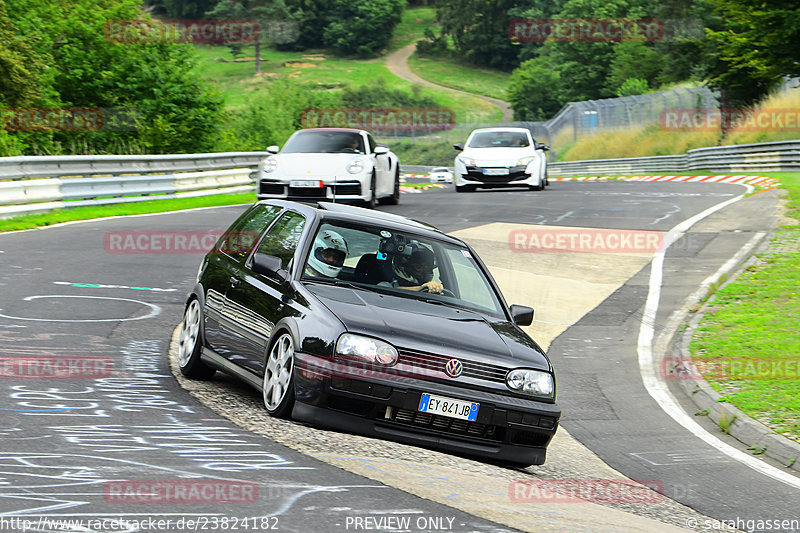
(331, 164)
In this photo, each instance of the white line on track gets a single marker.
(154, 309)
(657, 388)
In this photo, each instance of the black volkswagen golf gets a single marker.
(372, 323)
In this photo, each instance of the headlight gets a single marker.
(468, 161)
(525, 161)
(366, 349)
(355, 166)
(533, 382)
(270, 164)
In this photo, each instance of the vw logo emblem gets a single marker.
(453, 368)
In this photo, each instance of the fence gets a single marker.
(35, 184)
(782, 156)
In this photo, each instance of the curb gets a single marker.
(750, 432)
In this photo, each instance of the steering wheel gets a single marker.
(349, 150)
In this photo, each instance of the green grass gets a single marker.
(412, 27)
(449, 73)
(238, 82)
(135, 208)
(755, 318)
(423, 152)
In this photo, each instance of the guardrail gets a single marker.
(36, 184)
(780, 156)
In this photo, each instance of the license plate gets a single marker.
(441, 405)
(495, 171)
(305, 183)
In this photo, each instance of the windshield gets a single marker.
(316, 142)
(501, 139)
(386, 260)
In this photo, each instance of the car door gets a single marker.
(255, 303)
(223, 266)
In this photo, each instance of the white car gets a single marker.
(501, 157)
(330, 164)
(441, 174)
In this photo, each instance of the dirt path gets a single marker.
(397, 63)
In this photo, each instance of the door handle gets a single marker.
(235, 281)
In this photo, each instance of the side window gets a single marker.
(472, 286)
(372, 144)
(282, 239)
(240, 240)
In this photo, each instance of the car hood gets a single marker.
(312, 166)
(508, 155)
(417, 325)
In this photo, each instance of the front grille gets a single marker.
(472, 369)
(308, 192)
(266, 187)
(530, 419)
(447, 425)
(353, 189)
(513, 175)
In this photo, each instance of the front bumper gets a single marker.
(341, 190)
(518, 176)
(508, 428)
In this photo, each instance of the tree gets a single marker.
(184, 9)
(268, 14)
(758, 45)
(83, 68)
(633, 60)
(362, 27)
(20, 66)
(533, 90)
(479, 29)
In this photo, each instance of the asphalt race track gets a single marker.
(88, 447)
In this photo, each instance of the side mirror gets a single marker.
(274, 149)
(542, 146)
(381, 150)
(459, 147)
(270, 266)
(522, 314)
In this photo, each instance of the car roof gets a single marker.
(337, 211)
(351, 130)
(510, 130)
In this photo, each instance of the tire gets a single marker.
(190, 344)
(394, 199)
(465, 188)
(373, 194)
(277, 387)
(539, 187)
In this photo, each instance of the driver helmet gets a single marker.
(417, 267)
(328, 254)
